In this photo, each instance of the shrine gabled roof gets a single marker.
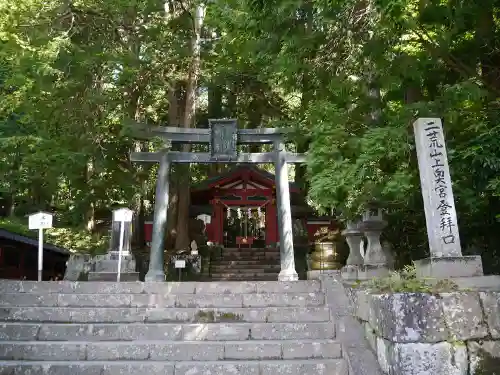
(232, 174)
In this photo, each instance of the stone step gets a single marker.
(256, 260)
(247, 252)
(231, 263)
(239, 277)
(250, 256)
(245, 269)
(169, 350)
(159, 300)
(252, 253)
(10, 286)
(245, 276)
(164, 315)
(246, 248)
(112, 276)
(166, 331)
(245, 265)
(289, 367)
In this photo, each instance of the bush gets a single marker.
(406, 281)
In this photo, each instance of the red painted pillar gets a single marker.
(209, 228)
(271, 223)
(215, 222)
(218, 223)
(221, 224)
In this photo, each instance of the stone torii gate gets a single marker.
(223, 136)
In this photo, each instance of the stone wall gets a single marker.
(420, 333)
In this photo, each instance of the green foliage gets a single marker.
(406, 281)
(68, 238)
(488, 365)
(204, 316)
(210, 316)
(229, 317)
(15, 226)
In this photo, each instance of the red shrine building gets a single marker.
(239, 207)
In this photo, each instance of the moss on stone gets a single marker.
(205, 316)
(229, 316)
(406, 281)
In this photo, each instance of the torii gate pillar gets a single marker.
(287, 254)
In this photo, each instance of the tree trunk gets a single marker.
(139, 236)
(413, 93)
(175, 106)
(489, 48)
(182, 239)
(307, 95)
(232, 102)
(214, 111)
(134, 111)
(254, 115)
(16, 166)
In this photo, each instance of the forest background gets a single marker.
(347, 76)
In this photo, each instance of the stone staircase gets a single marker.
(213, 328)
(246, 264)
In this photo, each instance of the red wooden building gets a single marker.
(19, 258)
(239, 207)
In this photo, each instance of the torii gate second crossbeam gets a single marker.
(223, 137)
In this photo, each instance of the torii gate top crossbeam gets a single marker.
(222, 137)
(195, 135)
(203, 157)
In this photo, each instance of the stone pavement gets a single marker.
(216, 328)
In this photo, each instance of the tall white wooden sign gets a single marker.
(40, 221)
(123, 215)
(440, 213)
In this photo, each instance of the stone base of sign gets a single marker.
(105, 267)
(350, 272)
(442, 267)
(490, 282)
(318, 274)
(371, 271)
(112, 276)
(109, 262)
(482, 283)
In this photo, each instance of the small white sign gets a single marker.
(205, 218)
(194, 252)
(180, 263)
(123, 214)
(40, 220)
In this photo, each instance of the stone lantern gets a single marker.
(354, 237)
(376, 261)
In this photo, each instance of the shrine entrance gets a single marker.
(244, 226)
(242, 205)
(223, 136)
